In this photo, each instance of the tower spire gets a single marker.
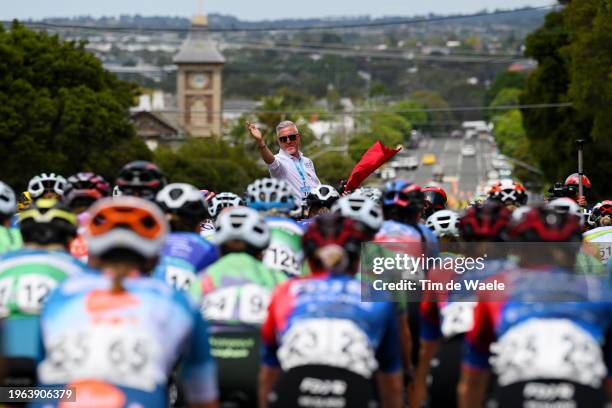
(200, 19)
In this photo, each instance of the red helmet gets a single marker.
(600, 210)
(485, 222)
(435, 200)
(333, 230)
(573, 179)
(544, 224)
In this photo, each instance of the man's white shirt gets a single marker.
(287, 167)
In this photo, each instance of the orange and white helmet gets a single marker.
(128, 223)
(509, 192)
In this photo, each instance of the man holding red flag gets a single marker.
(289, 163)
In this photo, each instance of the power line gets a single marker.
(409, 21)
(378, 111)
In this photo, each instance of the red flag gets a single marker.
(377, 155)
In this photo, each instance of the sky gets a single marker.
(252, 10)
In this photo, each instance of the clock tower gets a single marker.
(198, 81)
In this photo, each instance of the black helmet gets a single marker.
(141, 178)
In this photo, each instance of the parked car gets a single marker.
(409, 162)
(388, 173)
(429, 159)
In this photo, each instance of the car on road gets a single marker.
(409, 162)
(456, 134)
(429, 159)
(468, 151)
(438, 174)
(388, 173)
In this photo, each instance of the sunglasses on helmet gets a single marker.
(293, 138)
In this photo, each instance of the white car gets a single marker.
(388, 173)
(468, 151)
(410, 163)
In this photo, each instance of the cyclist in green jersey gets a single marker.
(27, 277)
(10, 238)
(237, 290)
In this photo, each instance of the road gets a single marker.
(461, 174)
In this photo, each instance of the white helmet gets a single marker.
(117, 192)
(443, 222)
(270, 193)
(182, 199)
(565, 205)
(38, 185)
(242, 224)
(518, 213)
(372, 193)
(223, 200)
(359, 208)
(322, 194)
(8, 202)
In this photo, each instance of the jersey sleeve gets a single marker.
(198, 371)
(388, 353)
(478, 340)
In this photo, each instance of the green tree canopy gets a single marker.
(60, 111)
(574, 59)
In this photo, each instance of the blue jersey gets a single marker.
(552, 325)
(27, 277)
(122, 347)
(321, 320)
(184, 257)
(392, 230)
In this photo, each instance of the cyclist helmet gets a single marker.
(333, 242)
(443, 223)
(82, 189)
(600, 210)
(573, 180)
(484, 222)
(435, 200)
(509, 192)
(359, 208)
(46, 183)
(117, 192)
(322, 195)
(270, 194)
(404, 194)
(565, 205)
(183, 200)
(242, 224)
(47, 221)
(545, 224)
(8, 202)
(372, 193)
(223, 200)
(141, 179)
(518, 213)
(24, 200)
(129, 223)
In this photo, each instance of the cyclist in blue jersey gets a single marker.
(274, 199)
(185, 253)
(445, 319)
(27, 276)
(323, 346)
(547, 339)
(116, 336)
(10, 238)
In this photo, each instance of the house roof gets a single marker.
(198, 48)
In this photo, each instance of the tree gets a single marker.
(60, 111)
(210, 164)
(574, 57)
(333, 167)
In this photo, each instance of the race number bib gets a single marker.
(548, 349)
(457, 318)
(29, 293)
(243, 304)
(117, 354)
(180, 278)
(605, 251)
(332, 342)
(282, 258)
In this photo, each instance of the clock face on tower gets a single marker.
(198, 80)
